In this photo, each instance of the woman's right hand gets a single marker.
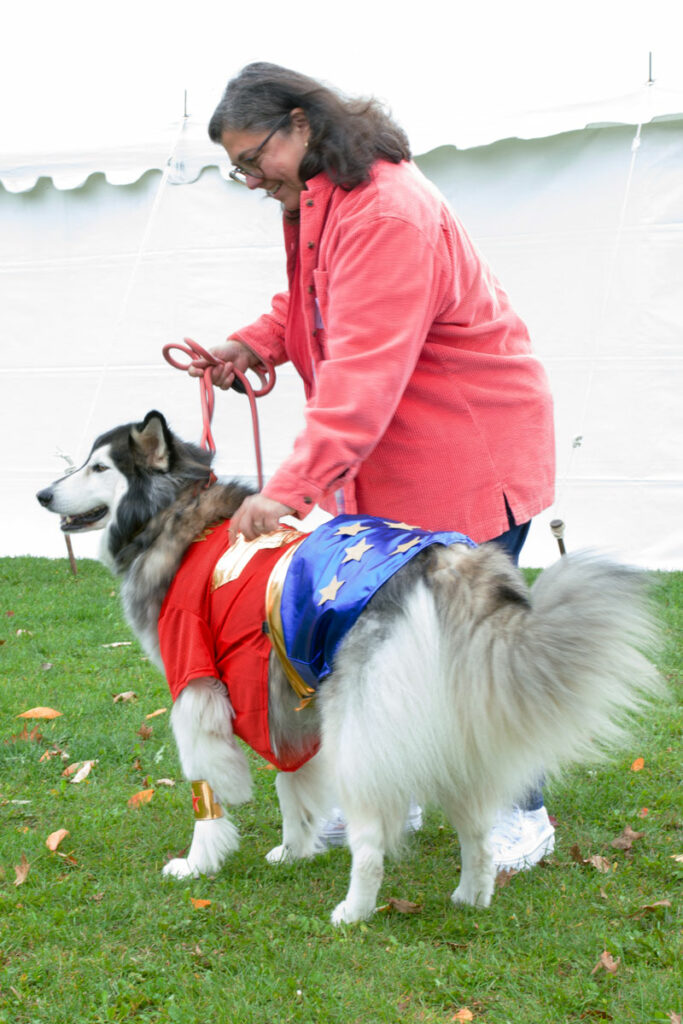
(234, 355)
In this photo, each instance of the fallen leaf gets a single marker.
(21, 870)
(576, 854)
(34, 736)
(627, 838)
(46, 666)
(463, 1014)
(126, 697)
(165, 782)
(653, 906)
(40, 713)
(199, 904)
(154, 714)
(119, 643)
(677, 857)
(503, 878)
(143, 797)
(401, 906)
(80, 770)
(675, 1018)
(55, 838)
(638, 765)
(600, 863)
(145, 731)
(24, 632)
(643, 812)
(607, 963)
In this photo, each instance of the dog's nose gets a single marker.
(45, 497)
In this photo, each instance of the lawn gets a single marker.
(89, 932)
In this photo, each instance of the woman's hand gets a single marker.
(256, 515)
(235, 355)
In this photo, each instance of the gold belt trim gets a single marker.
(274, 587)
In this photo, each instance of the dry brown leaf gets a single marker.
(402, 906)
(55, 838)
(126, 697)
(677, 857)
(627, 838)
(40, 713)
(463, 1014)
(600, 863)
(199, 904)
(34, 736)
(143, 797)
(21, 870)
(653, 906)
(503, 878)
(165, 782)
(576, 855)
(155, 714)
(638, 764)
(607, 963)
(79, 769)
(675, 1018)
(145, 731)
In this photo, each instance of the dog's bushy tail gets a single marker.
(559, 669)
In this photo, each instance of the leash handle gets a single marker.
(265, 373)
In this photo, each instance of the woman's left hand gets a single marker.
(256, 515)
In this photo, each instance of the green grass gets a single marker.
(96, 936)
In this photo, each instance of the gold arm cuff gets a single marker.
(205, 807)
(276, 582)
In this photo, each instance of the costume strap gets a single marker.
(204, 805)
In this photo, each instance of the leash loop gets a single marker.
(266, 374)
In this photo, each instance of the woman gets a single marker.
(424, 402)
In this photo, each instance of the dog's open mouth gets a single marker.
(69, 524)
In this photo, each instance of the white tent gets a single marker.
(122, 234)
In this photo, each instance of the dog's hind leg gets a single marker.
(304, 798)
(201, 721)
(366, 840)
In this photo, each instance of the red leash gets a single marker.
(267, 378)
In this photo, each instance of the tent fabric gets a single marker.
(184, 150)
(584, 228)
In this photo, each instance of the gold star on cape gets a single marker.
(329, 592)
(355, 553)
(399, 526)
(350, 529)
(407, 545)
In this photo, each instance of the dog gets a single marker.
(457, 684)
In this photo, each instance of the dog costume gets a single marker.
(300, 592)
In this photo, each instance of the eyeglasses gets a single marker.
(239, 173)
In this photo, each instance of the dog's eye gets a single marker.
(98, 467)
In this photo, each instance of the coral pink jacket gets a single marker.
(424, 401)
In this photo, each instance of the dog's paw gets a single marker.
(279, 855)
(179, 867)
(471, 896)
(344, 913)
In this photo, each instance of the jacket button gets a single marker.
(311, 289)
(308, 501)
(309, 202)
(311, 245)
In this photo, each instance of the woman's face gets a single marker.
(271, 163)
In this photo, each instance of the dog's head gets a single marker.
(132, 473)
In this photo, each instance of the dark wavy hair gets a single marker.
(346, 135)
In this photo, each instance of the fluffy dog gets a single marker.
(457, 684)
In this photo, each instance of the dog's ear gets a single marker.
(152, 440)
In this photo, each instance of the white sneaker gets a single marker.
(520, 839)
(333, 830)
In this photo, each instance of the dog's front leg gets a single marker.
(366, 840)
(304, 797)
(211, 759)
